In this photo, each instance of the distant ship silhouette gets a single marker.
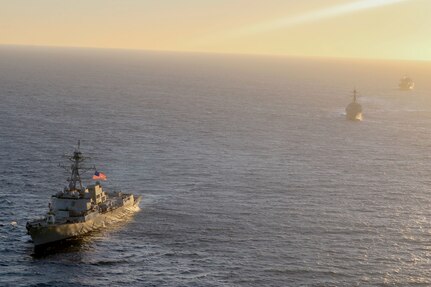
(406, 84)
(354, 109)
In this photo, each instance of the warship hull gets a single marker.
(354, 110)
(406, 84)
(406, 88)
(47, 234)
(354, 117)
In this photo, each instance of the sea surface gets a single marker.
(249, 172)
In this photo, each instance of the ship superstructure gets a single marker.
(76, 209)
(354, 109)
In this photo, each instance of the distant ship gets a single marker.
(406, 84)
(77, 210)
(354, 109)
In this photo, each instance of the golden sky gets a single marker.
(395, 29)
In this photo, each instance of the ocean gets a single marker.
(249, 172)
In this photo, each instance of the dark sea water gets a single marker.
(250, 174)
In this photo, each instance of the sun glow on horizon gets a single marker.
(382, 29)
(312, 16)
(290, 32)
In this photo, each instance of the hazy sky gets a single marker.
(398, 29)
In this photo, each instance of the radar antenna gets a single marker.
(77, 158)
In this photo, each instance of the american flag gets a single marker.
(99, 175)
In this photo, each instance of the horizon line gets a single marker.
(278, 55)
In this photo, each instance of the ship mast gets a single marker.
(354, 95)
(77, 158)
(75, 178)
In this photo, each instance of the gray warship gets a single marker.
(354, 109)
(406, 84)
(77, 210)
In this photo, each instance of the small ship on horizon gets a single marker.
(354, 109)
(77, 210)
(406, 84)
